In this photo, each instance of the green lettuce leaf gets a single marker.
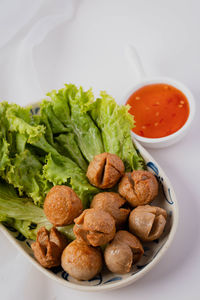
(52, 117)
(67, 146)
(4, 145)
(25, 173)
(3, 119)
(21, 141)
(65, 171)
(59, 169)
(73, 100)
(56, 125)
(43, 119)
(26, 170)
(115, 124)
(61, 107)
(65, 142)
(23, 215)
(20, 120)
(4, 154)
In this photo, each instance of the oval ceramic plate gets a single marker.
(152, 251)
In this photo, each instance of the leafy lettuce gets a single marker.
(115, 124)
(68, 105)
(25, 173)
(67, 146)
(66, 171)
(4, 145)
(23, 215)
(59, 133)
(55, 147)
(36, 164)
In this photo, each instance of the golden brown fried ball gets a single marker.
(122, 252)
(95, 226)
(105, 170)
(62, 205)
(112, 203)
(138, 188)
(81, 261)
(48, 247)
(147, 222)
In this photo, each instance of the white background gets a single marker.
(44, 44)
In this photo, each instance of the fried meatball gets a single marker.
(118, 258)
(105, 170)
(138, 188)
(122, 252)
(95, 226)
(62, 205)
(147, 222)
(81, 261)
(112, 203)
(48, 247)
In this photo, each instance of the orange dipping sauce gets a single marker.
(159, 110)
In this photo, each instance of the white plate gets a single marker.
(153, 251)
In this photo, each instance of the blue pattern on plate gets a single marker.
(141, 267)
(170, 201)
(168, 197)
(20, 237)
(28, 244)
(65, 275)
(97, 278)
(10, 228)
(56, 270)
(113, 279)
(35, 110)
(152, 166)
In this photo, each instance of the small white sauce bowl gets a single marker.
(178, 135)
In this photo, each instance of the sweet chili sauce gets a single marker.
(159, 110)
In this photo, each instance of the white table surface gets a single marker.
(88, 49)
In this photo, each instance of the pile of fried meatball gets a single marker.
(111, 230)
